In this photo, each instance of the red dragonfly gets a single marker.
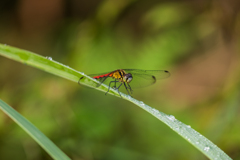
(138, 78)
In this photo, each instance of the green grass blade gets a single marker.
(192, 136)
(48, 65)
(196, 139)
(38, 136)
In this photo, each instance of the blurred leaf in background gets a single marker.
(197, 41)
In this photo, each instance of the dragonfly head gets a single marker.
(127, 78)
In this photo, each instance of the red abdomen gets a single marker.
(101, 76)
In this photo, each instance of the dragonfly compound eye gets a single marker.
(127, 78)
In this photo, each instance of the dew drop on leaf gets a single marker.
(171, 117)
(206, 149)
(49, 58)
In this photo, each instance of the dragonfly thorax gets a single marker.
(127, 78)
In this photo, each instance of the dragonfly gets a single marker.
(129, 78)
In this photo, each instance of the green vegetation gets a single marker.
(197, 41)
(47, 64)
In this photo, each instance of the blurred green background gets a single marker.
(197, 41)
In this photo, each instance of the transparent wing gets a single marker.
(144, 78)
(93, 84)
(102, 79)
(158, 74)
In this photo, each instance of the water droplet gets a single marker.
(188, 126)
(141, 103)
(49, 58)
(155, 111)
(197, 142)
(129, 97)
(206, 149)
(171, 117)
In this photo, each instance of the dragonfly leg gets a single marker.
(113, 86)
(130, 88)
(118, 90)
(127, 89)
